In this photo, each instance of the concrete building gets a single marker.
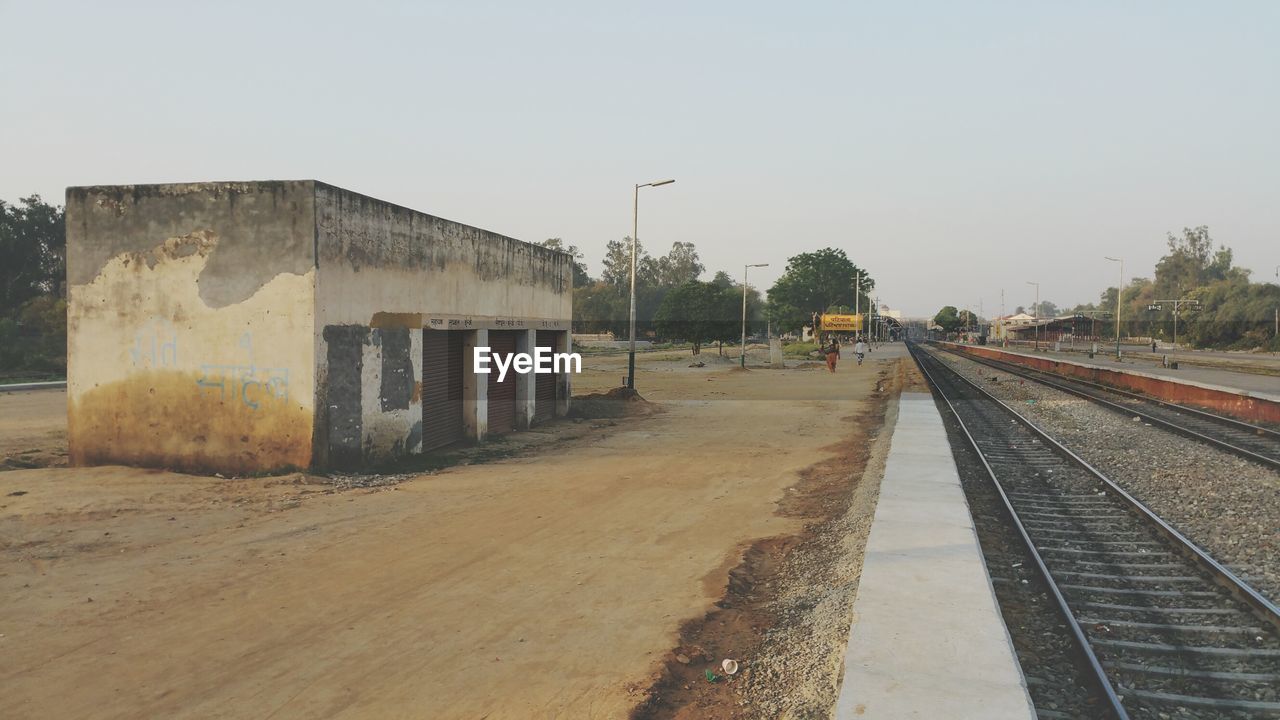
(256, 326)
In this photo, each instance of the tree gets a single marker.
(33, 251)
(616, 267)
(1046, 309)
(948, 318)
(814, 282)
(722, 280)
(698, 312)
(679, 266)
(580, 277)
(600, 308)
(33, 313)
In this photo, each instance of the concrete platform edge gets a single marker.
(1153, 376)
(927, 639)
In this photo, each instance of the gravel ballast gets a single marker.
(1228, 505)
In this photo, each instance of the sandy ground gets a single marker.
(554, 583)
(33, 428)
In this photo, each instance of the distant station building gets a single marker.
(255, 326)
(1060, 329)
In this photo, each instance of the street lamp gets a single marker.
(1119, 292)
(745, 268)
(1035, 312)
(635, 229)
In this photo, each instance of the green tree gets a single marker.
(580, 276)
(1047, 309)
(33, 313)
(697, 312)
(616, 266)
(722, 280)
(813, 282)
(600, 307)
(679, 266)
(33, 244)
(948, 318)
(1192, 262)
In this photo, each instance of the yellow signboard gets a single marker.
(841, 323)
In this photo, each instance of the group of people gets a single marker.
(832, 351)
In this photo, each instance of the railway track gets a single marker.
(1258, 443)
(1165, 630)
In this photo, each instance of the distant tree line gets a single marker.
(33, 293)
(1217, 304)
(674, 303)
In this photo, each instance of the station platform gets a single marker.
(1144, 362)
(927, 639)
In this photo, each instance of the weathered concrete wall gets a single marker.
(190, 325)
(244, 327)
(383, 268)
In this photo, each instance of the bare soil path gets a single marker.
(33, 428)
(551, 584)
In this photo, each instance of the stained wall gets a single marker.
(257, 326)
(189, 325)
(385, 272)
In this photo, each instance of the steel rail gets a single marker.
(1077, 632)
(1262, 607)
(1034, 375)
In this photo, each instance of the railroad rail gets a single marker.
(1166, 630)
(1255, 442)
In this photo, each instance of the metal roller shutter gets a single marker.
(442, 370)
(544, 391)
(502, 395)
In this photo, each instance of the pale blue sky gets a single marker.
(951, 148)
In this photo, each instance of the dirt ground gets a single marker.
(33, 429)
(566, 580)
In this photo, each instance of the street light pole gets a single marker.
(635, 230)
(745, 268)
(1035, 312)
(858, 290)
(1119, 292)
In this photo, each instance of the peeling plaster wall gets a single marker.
(385, 269)
(256, 326)
(190, 325)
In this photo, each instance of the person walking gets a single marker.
(832, 352)
(860, 349)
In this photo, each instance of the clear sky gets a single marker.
(952, 148)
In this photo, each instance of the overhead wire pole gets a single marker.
(1177, 306)
(1119, 293)
(635, 231)
(858, 290)
(1036, 312)
(745, 268)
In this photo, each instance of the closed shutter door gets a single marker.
(502, 395)
(441, 388)
(544, 391)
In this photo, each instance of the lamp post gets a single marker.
(635, 229)
(1119, 292)
(1035, 312)
(858, 290)
(858, 306)
(745, 268)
